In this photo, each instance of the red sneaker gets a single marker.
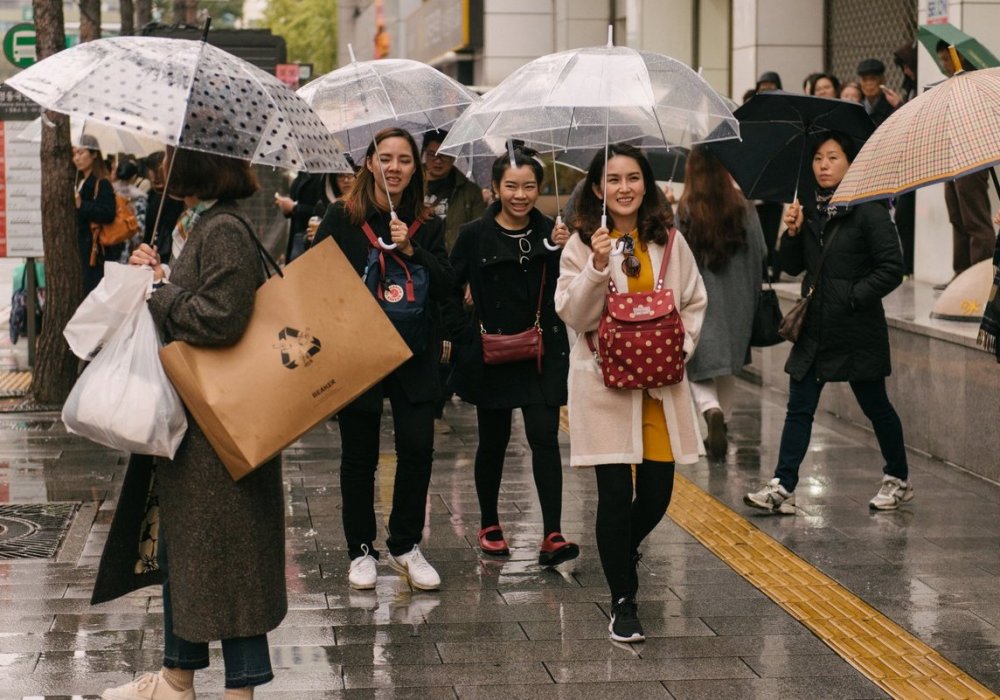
(555, 550)
(496, 547)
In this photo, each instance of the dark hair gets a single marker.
(943, 46)
(126, 170)
(522, 156)
(332, 177)
(654, 219)
(99, 168)
(711, 211)
(846, 143)
(362, 195)
(833, 80)
(810, 81)
(209, 176)
(433, 136)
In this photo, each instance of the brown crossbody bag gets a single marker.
(793, 322)
(499, 349)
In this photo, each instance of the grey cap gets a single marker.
(89, 141)
(871, 66)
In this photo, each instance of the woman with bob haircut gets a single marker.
(388, 199)
(614, 430)
(509, 258)
(221, 542)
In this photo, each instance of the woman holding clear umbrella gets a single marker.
(386, 208)
(616, 429)
(509, 259)
(221, 542)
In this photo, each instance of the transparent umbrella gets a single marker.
(111, 140)
(587, 98)
(187, 94)
(364, 97)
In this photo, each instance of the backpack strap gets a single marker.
(671, 235)
(373, 241)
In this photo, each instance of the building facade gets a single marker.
(732, 42)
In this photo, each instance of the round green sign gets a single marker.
(19, 45)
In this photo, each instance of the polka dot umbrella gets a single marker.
(186, 94)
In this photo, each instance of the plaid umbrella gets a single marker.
(949, 131)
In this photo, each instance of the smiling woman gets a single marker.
(386, 205)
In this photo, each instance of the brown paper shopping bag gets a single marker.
(316, 341)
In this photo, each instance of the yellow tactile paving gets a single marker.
(891, 657)
(888, 655)
(14, 383)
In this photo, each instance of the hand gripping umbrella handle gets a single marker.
(552, 246)
(383, 244)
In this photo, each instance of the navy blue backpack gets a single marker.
(400, 288)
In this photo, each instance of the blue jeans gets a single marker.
(803, 398)
(247, 660)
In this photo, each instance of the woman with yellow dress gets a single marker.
(621, 432)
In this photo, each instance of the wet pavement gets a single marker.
(505, 628)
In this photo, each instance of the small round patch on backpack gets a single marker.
(393, 293)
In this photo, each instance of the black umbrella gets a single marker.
(777, 130)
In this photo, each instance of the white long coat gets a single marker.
(605, 425)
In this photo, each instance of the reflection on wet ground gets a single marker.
(505, 628)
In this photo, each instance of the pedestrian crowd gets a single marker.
(636, 314)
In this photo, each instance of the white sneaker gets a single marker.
(772, 498)
(891, 494)
(364, 571)
(148, 686)
(413, 565)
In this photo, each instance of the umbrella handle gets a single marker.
(552, 246)
(383, 244)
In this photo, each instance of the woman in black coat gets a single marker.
(95, 204)
(392, 173)
(503, 257)
(845, 337)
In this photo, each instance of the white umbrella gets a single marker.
(111, 140)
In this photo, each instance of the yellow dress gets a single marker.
(655, 437)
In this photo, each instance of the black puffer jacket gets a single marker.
(505, 294)
(845, 333)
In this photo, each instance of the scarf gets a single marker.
(184, 225)
(989, 329)
(823, 206)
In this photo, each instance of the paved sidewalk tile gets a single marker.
(505, 628)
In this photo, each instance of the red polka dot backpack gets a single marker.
(640, 339)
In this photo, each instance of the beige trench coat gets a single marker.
(605, 425)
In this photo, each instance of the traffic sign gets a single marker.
(19, 45)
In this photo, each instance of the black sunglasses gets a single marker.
(630, 265)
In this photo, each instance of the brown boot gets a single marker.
(716, 443)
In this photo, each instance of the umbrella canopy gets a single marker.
(948, 131)
(777, 128)
(364, 97)
(585, 98)
(667, 164)
(111, 140)
(187, 94)
(970, 49)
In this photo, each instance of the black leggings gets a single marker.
(541, 427)
(623, 521)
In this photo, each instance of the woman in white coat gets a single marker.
(614, 429)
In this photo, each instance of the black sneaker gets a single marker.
(625, 625)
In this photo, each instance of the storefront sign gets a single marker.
(937, 11)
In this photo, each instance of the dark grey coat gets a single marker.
(225, 539)
(724, 344)
(845, 333)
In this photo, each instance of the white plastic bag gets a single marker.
(120, 292)
(123, 399)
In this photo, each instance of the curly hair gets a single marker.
(712, 211)
(654, 219)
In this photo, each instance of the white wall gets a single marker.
(776, 35)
